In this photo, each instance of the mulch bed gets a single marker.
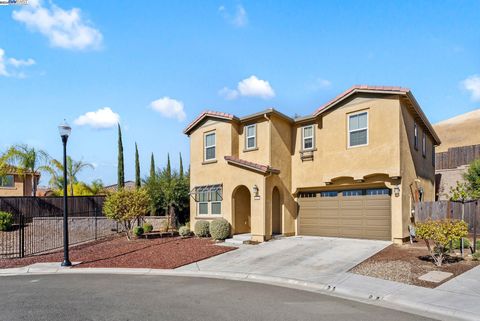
(405, 263)
(159, 253)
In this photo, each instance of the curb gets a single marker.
(387, 301)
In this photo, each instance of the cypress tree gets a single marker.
(152, 166)
(181, 166)
(169, 168)
(121, 168)
(138, 182)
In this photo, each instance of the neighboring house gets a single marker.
(451, 166)
(14, 183)
(129, 185)
(354, 168)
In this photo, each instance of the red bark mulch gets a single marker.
(118, 252)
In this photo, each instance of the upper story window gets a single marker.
(424, 144)
(358, 129)
(210, 146)
(250, 136)
(308, 137)
(7, 181)
(415, 136)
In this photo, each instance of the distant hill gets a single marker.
(461, 130)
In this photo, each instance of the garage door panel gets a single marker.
(366, 217)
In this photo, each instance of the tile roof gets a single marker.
(264, 169)
(360, 88)
(208, 113)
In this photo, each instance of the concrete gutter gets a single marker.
(349, 286)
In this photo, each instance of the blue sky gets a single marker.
(157, 64)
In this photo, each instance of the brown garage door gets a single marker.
(362, 216)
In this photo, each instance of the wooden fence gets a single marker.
(457, 156)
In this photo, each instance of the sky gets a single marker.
(153, 66)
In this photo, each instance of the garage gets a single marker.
(359, 213)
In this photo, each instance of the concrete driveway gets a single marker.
(307, 258)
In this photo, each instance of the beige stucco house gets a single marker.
(14, 183)
(353, 168)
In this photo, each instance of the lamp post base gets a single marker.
(66, 263)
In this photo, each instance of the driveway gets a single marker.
(307, 258)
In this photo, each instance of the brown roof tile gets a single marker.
(265, 169)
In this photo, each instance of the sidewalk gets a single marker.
(457, 299)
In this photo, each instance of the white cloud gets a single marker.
(238, 19)
(320, 83)
(472, 84)
(63, 28)
(169, 108)
(102, 118)
(249, 87)
(14, 64)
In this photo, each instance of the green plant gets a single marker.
(126, 206)
(441, 233)
(476, 256)
(147, 227)
(184, 231)
(202, 228)
(456, 244)
(6, 221)
(219, 229)
(138, 231)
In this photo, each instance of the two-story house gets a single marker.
(353, 168)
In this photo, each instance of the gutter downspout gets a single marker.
(269, 174)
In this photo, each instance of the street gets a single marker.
(126, 297)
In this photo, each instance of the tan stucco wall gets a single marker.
(447, 179)
(413, 166)
(21, 188)
(261, 154)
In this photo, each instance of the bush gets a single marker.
(476, 256)
(202, 228)
(456, 244)
(6, 221)
(441, 233)
(147, 227)
(219, 229)
(138, 231)
(184, 231)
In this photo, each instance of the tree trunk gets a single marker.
(34, 186)
(173, 216)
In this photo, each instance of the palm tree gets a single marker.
(27, 161)
(73, 169)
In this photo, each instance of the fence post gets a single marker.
(463, 219)
(475, 213)
(22, 236)
(95, 213)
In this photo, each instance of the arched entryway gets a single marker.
(242, 210)
(276, 211)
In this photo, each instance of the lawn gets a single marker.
(160, 253)
(406, 263)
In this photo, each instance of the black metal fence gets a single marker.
(38, 223)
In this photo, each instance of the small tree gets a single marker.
(121, 166)
(138, 181)
(441, 233)
(126, 206)
(472, 176)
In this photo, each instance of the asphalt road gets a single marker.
(123, 297)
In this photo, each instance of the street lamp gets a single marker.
(65, 130)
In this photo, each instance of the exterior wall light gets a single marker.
(396, 190)
(255, 191)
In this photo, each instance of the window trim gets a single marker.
(415, 136)
(205, 146)
(306, 137)
(245, 130)
(349, 115)
(208, 190)
(424, 145)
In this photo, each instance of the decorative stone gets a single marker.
(435, 276)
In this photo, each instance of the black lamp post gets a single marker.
(65, 131)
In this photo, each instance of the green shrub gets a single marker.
(6, 221)
(476, 256)
(202, 228)
(441, 233)
(138, 231)
(219, 229)
(147, 227)
(187, 225)
(184, 231)
(456, 244)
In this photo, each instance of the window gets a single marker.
(209, 146)
(358, 129)
(209, 199)
(7, 181)
(354, 192)
(415, 136)
(250, 137)
(329, 194)
(307, 195)
(307, 137)
(424, 144)
(378, 191)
